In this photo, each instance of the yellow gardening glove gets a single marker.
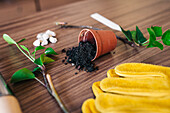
(111, 73)
(96, 85)
(151, 82)
(155, 87)
(96, 88)
(144, 80)
(142, 70)
(113, 103)
(89, 106)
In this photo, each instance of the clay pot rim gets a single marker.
(94, 36)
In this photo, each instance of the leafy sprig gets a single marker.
(155, 31)
(26, 74)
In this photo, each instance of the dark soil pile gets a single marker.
(81, 56)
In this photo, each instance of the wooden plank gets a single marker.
(75, 89)
(48, 4)
(15, 10)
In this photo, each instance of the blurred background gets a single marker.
(13, 9)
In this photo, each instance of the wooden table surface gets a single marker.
(75, 89)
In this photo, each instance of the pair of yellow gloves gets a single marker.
(131, 88)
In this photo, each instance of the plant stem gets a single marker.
(45, 79)
(40, 81)
(145, 44)
(146, 41)
(34, 55)
(52, 91)
(159, 40)
(125, 41)
(24, 53)
(55, 95)
(31, 56)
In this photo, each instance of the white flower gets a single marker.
(50, 33)
(42, 38)
(39, 36)
(36, 43)
(44, 42)
(53, 40)
(45, 36)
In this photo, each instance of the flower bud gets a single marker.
(36, 43)
(51, 33)
(53, 40)
(44, 42)
(45, 36)
(39, 36)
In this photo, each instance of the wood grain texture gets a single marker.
(11, 10)
(48, 4)
(75, 89)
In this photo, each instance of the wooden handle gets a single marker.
(9, 104)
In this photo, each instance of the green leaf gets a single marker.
(39, 61)
(157, 30)
(21, 41)
(8, 39)
(47, 60)
(152, 40)
(166, 38)
(43, 60)
(139, 36)
(33, 52)
(22, 74)
(50, 51)
(155, 44)
(127, 34)
(152, 36)
(37, 69)
(39, 48)
(25, 48)
(134, 36)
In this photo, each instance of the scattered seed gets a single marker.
(97, 68)
(63, 50)
(78, 67)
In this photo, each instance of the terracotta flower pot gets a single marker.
(105, 41)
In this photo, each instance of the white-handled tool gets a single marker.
(106, 21)
(110, 24)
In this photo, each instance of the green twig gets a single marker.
(147, 42)
(40, 81)
(159, 40)
(48, 85)
(24, 53)
(31, 56)
(45, 79)
(34, 55)
(55, 95)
